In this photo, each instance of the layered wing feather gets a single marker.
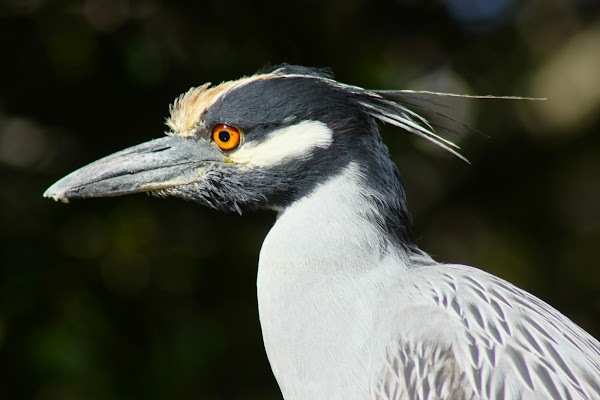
(503, 343)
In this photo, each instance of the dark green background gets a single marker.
(142, 298)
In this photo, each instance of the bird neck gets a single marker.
(381, 193)
(320, 271)
(359, 213)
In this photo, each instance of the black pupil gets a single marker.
(224, 136)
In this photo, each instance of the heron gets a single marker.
(350, 307)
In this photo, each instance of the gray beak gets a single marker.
(158, 164)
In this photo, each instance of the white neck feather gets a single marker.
(318, 272)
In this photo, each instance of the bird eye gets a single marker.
(226, 137)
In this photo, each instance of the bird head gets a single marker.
(262, 141)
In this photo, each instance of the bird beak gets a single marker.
(157, 164)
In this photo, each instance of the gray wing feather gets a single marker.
(422, 372)
(508, 344)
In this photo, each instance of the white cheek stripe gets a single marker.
(294, 141)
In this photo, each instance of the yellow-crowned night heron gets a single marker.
(350, 307)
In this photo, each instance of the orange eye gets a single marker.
(226, 137)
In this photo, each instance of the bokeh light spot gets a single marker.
(481, 16)
(22, 142)
(570, 79)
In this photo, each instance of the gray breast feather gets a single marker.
(504, 343)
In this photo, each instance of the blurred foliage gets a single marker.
(138, 297)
